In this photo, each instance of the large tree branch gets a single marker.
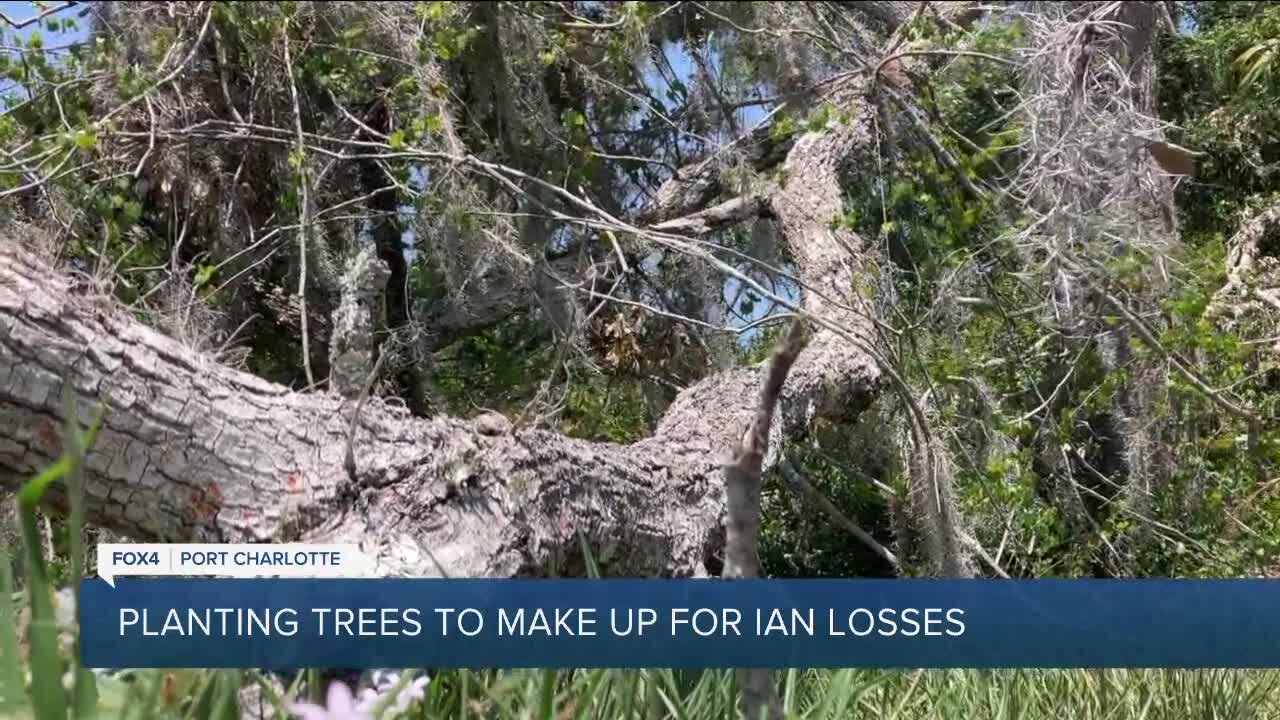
(729, 212)
(192, 450)
(697, 184)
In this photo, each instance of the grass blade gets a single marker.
(47, 694)
(547, 701)
(84, 692)
(11, 690)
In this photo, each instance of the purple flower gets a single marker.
(339, 705)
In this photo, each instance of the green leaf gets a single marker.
(85, 699)
(84, 693)
(1254, 50)
(396, 139)
(204, 275)
(405, 87)
(48, 695)
(86, 139)
(782, 128)
(30, 494)
(132, 211)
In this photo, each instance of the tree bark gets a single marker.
(892, 13)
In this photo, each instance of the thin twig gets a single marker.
(797, 482)
(349, 457)
(742, 479)
(19, 24)
(303, 211)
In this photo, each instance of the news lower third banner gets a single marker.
(285, 623)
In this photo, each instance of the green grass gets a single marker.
(39, 678)
(870, 694)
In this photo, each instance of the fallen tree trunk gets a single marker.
(192, 450)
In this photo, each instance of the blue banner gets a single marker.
(345, 623)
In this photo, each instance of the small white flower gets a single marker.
(339, 705)
(368, 700)
(385, 684)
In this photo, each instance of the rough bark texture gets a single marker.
(835, 375)
(697, 184)
(193, 450)
(838, 374)
(833, 264)
(891, 13)
(360, 316)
